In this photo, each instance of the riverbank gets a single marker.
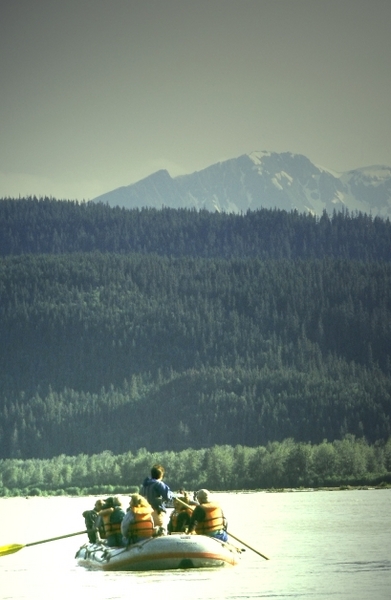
(341, 488)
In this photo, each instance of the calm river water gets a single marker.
(327, 545)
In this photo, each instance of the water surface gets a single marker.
(322, 545)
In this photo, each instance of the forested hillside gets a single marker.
(170, 329)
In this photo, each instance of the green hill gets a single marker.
(176, 329)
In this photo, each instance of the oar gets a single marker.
(229, 533)
(11, 548)
(249, 547)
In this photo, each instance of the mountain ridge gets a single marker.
(262, 179)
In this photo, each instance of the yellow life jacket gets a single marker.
(110, 528)
(214, 519)
(142, 526)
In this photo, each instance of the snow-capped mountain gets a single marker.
(262, 180)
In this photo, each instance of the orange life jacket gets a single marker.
(142, 526)
(214, 519)
(173, 523)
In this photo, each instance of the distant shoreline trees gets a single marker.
(288, 464)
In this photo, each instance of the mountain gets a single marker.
(262, 180)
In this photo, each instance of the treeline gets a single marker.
(48, 226)
(349, 461)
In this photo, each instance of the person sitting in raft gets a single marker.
(112, 516)
(90, 519)
(180, 516)
(208, 518)
(157, 493)
(138, 523)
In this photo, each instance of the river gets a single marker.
(327, 545)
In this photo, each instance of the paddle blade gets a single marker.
(10, 549)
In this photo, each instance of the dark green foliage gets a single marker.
(47, 226)
(348, 461)
(176, 329)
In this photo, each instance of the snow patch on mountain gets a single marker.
(263, 179)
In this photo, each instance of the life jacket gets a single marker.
(214, 519)
(173, 523)
(111, 526)
(142, 526)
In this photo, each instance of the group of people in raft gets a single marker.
(147, 516)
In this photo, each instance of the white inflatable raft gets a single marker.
(178, 551)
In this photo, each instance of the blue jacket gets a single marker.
(156, 492)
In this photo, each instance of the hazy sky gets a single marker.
(96, 94)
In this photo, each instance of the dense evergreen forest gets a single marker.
(47, 226)
(174, 329)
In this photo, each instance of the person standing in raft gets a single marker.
(157, 493)
(138, 523)
(208, 518)
(112, 516)
(90, 519)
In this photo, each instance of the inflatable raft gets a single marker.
(177, 551)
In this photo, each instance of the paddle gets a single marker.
(11, 548)
(229, 533)
(247, 546)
